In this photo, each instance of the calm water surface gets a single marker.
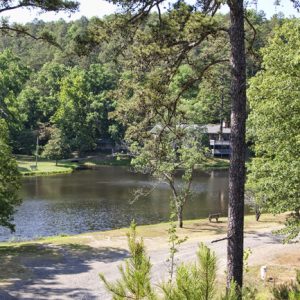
(94, 200)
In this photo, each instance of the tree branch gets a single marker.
(5, 28)
(223, 239)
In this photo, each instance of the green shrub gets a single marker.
(194, 281)
(288, 291)
(135, 276)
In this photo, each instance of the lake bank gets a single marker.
(197, 227)
(27, 164)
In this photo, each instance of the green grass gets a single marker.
(26, 166)
(216, 163)
(116, 161)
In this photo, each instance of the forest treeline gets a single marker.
(67, 92)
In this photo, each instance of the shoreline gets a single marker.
(159, 230)
(26, 165)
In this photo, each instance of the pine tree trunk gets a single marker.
(179, 216)
(235, 246)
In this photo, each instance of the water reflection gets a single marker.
(99, 200)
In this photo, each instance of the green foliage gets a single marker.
(23, 141)
(288, 291)
(13, 76)
(212, 103)
(231, 293)
(164, 65)
(45, 5)
(171, 155)
(247, 253)
(234, 293)
(174, 241)
(84, 106)
(151, 97)
(194, 281)
(57, 147)
(135, 276)
(165, 60)
(274, 126)
(9, 180)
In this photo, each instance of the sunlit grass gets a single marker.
(216, 163)
(28, 167)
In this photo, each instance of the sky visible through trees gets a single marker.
(100, 8)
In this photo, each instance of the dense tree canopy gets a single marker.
(14, 75)
(9, 180)
(12, 78)
(274, 126)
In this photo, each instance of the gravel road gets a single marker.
(74, 275)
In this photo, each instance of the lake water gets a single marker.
(94, 200)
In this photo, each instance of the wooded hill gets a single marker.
(68, 86)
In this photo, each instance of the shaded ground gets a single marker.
(68, 268)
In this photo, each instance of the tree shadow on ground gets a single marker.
(273, 238)
(31, 269)
(211, 228)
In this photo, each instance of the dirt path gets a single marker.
(71, 272)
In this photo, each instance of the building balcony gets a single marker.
(219, 143)
(225, 152)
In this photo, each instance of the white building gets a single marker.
(219, 142)
(219, 137)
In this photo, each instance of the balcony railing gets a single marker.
(221, 151)
(219, 143)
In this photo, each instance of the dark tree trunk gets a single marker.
(235, 246)
(179, 216)
(257, 212)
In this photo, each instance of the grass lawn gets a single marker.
(106, 161)
(217, 163)
(211, 163)
(26, 165)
